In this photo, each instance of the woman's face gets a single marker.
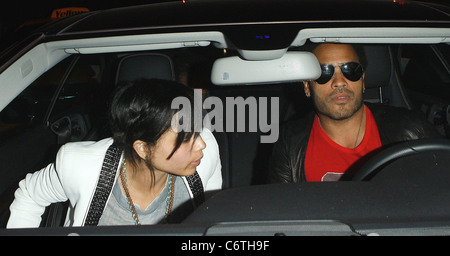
(185, 159)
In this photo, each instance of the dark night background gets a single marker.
(15, 13)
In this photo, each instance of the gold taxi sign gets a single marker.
(68, 11)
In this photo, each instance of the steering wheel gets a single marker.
(397, 151)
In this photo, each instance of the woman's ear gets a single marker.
(141, 149)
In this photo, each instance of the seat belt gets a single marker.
(104, 185)
(196, 185)
(106, 181)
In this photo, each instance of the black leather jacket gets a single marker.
(394, 125)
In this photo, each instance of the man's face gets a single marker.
(338, 98)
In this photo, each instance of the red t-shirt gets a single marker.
(328, 161)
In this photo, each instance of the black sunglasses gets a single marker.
(353, 71)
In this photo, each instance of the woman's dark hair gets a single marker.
(142, 110)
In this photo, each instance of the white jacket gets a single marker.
(74, 177)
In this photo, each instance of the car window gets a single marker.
(80, 87)
(424, 69)
(445, 52)
(82, 84)
(31, 106)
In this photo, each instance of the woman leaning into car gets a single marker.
(147, 173)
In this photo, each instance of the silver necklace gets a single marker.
(359, 129)
(124, 182)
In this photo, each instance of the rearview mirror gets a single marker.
(293, 66)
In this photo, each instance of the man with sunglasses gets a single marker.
(331, 143)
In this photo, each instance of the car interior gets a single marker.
(81, 94)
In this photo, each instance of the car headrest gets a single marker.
(147, 66)
(379, 66)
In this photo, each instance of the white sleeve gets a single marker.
(35, 192)
(210, 168)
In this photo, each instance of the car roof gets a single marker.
(236, 24)
(239, 21)
(193, 14)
